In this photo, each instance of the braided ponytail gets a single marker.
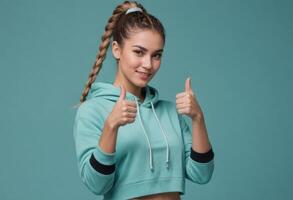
(118, 26)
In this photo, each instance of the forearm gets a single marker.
(200, 163)
(108, 138)
(200, 140)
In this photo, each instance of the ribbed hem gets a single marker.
(103, 162)
(101, 168)
(147, 187)
(104, 157)
(202, 157)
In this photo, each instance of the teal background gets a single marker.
(239, 57)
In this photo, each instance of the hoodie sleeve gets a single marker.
(199, 167)
(96, 168)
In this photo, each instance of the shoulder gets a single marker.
(89, 108)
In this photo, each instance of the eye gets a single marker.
(140, 53)
(158, 56)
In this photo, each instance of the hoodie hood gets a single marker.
(110, 92)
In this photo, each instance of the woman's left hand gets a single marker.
(186, 103)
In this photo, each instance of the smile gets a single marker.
(143, 75)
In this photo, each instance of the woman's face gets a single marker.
(140, 58)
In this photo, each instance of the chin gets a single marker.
(142, 83)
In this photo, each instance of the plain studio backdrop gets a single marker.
(237, 53)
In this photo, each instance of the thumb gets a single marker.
(122, 93)
(188, 85)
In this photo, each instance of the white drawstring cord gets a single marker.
(150, 149)
(167, 159)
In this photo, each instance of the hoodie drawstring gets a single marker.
(150, 149)
(165, 136)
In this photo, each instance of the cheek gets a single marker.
(157, 65)
(133, 61)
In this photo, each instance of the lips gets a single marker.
(143, 75)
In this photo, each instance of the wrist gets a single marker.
(112, 127)
(198, 118)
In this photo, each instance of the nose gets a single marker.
(147, 62)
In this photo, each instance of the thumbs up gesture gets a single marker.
(123, 112)
(186, 102)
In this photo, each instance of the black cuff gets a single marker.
(202, 157)
(99, 167)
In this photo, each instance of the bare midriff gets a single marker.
(161, 196)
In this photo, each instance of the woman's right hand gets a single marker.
(123, 112)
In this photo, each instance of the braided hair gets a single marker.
(119, 26)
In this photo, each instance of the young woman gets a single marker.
(129, 143)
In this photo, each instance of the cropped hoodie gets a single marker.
(153, 154)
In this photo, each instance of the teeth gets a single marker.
(143, 72)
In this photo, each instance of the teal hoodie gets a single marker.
(152, 155)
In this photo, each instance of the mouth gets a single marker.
(143, 75)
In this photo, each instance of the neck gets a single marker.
(137, 91)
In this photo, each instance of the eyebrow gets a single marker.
(159, 50)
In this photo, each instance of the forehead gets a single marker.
(149, 39)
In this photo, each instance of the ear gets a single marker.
(116, 50)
